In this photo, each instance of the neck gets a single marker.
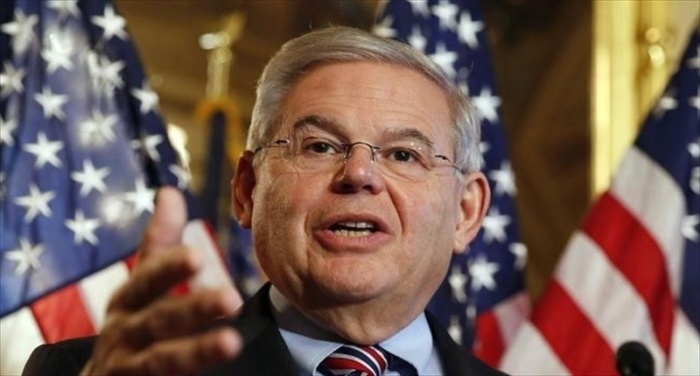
(363, 323)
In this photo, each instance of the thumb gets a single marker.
(164, 230)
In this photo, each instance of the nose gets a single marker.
(359, 171)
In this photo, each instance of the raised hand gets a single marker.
(148, 332)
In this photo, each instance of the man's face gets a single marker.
(353, 234)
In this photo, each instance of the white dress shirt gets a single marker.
(310, 344)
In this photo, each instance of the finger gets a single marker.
(165, 227)
(188, 355)
(154, 277)
(177, 316)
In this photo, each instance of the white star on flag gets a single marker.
(98, 129)
(495, 226)
(457, 281)
(51, 103)
(455, 329)
(150, 144)
(21, 30)
(45, 151)
(182, 174)
(482, 273)
(694, 62)
(468, 28)
(147, 97)
(26, 256)
(445, 58)
(11, 80)
(417, 39)
(83, 228)
(447, 13)
(688, 228)
(113, 24)
(6, 129)
(2, 186)
(694, 148)
(65, 7)
(505, 182)
(90, 178)
(105, 74)
(141, 197)
(58, 52)
(695, 180)
(695, 101)
(36, 202)
(421, 8)
(666, 103)
(519, 250)
(487, 105)
(384, 29)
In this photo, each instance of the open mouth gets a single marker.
(353, 229)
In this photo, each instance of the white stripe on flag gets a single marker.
(19, 336)
(685, 347)
(510, 314)
(530, 354)
(213, 273)
(97, 289)
(659, 205)
(628, 318)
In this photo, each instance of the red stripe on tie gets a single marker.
(50, 315)
(368, 360)
(573, 334)
(377, 355)
(638, 257)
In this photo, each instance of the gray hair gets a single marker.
(344, 44)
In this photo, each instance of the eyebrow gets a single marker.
(329, 124)
(408, 133)
(317, 121)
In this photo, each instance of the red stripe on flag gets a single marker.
(61, 315)
(179, 290)
(572, 336)
(638, 257)
(489, 346)
(131, 261)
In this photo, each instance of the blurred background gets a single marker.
(561, 67)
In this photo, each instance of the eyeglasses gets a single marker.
(403, 159)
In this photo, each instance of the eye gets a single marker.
(403, 155)
(319, 146)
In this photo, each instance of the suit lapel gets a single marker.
(456, 360)
(264, 351)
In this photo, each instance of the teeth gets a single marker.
(358, 225)
(353, 229)
(352, 233)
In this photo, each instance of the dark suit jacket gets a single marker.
(264, 353)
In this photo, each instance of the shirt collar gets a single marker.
(309, 344)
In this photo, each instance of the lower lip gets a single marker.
(358, 244)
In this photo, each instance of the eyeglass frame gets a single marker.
(347, 150)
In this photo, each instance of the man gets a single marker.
(360, 180)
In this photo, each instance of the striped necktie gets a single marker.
(352, 360)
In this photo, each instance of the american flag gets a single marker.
(482, 301)
(83, 149)
(632, 271)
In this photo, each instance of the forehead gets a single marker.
(369, 97)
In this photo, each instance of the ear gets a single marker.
(242, 186)
(473, 206)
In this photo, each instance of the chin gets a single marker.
(346, 289)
